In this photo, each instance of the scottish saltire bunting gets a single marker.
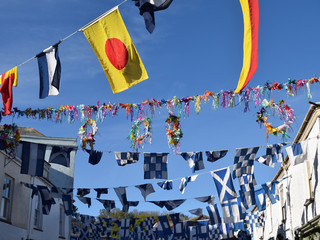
(101, 191)
(46, 199)
(260, 199)
(243, 161)
(166, 185)
(272, 191)
(124, 158)
(214, 214)
(83, 191)
(213, 156)
(145, 190)
(50, 71)
(155, 165)
(185, 181)
(194, 160)
(107, 204)
(297, 153)
(85, 200)
(224, 184)
(170, 204)
(197, 211)
(207, 199)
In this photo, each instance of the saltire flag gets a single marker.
(8, 80)
(60, 155)
(33, 158)
(145, 189)
(243, 161)
(213, 156)
(197, 211)
(49, 71)
(214, 214)
(297, 153)
(260, 199)
(116, 52)
(207, 199)
(272, 191)
(122, 195)
(147, 9)
(46, 199)
(250, 11)
(185, 181)
(224, 184)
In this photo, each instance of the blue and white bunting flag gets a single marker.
(224, 184)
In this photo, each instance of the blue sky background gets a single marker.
(196, 46)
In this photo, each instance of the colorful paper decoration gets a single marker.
(138, 139)
(88, 137)
(174, 132)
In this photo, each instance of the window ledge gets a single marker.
(308, 202)
(5, 221)
(61, 237)
(38, 229)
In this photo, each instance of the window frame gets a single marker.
(6, 215)
(38, 216)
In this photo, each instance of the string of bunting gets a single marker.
(226, 99)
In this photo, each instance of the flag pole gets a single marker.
(101, 16)
(30, 210)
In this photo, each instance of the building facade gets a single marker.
(21, 216)
(296, 214)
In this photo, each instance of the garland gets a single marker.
(174, 132)
(138, 139)
(10, 137)
(88, 137)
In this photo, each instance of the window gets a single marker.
(309, 180)
(6, 200)
(282, 203)
(38, 213)
(61, 222)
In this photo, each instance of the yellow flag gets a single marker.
(13, 74)
(114, 48)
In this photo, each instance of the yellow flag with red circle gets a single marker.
(116, 52)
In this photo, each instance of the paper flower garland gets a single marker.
(85, 137)
(174, 132)
(135, 137)
(10, 137)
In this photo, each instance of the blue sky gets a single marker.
(196, 46)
